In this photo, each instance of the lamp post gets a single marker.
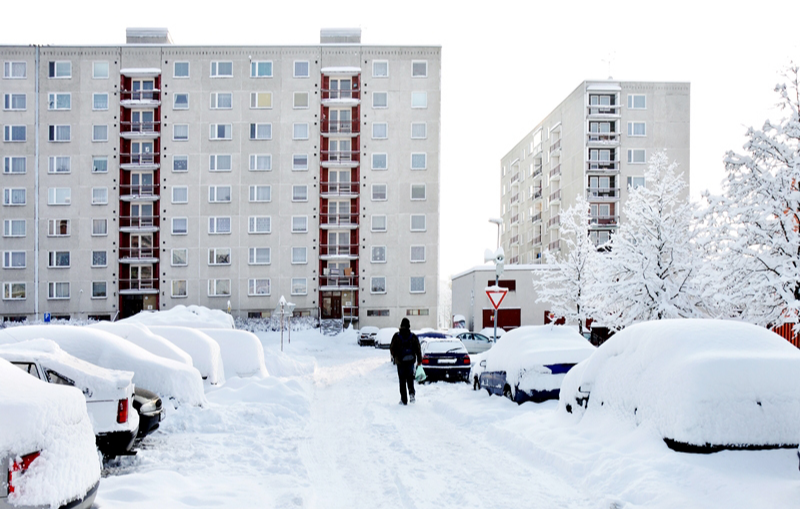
(499, 223)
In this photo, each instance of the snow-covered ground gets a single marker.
(324, 430)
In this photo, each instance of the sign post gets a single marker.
(499, 259)
(47, 318)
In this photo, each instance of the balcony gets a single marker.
(515, 219)
(554, 222)
(338, 252)
(515, 199)
(602, 194)
(514, 240)
(340, 127)
(537, 240)
(329, 282)
(338, 221)
(555, 173)
(600, 111)
(138, 286)
(140, 98)
(139, 161)
(339, 158)
(554, 246)
(139, 192)
(555, 198)
(335, 97)
(602, 166)
(537, 193)
(514, 260)
(555, 146)
(138, 255)
(604, 221)
(602, 139)
(537, 171)
(338, 189)
(536, 217)
(133, 224)
(140, 130)
(515, 179)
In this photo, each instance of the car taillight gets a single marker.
(20, 468)
(425, 360)
(466, 360)
(122, 411)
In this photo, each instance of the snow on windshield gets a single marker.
(445, 347)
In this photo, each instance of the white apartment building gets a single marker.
(597, 142)
(150, 174)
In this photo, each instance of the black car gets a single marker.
(444, 358)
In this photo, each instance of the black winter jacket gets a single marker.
(399, 343)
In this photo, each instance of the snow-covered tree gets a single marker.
(753, 225)
(565, 285)
(650, 271)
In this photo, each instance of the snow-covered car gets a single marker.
(48, 456)
(444, 358)
(142, 336)
(475, 342)
(366, 336)
(489, 333)
(383, 338)
(203, 350)
(242, 352)
(530, 362)
(701, 385)
(108, 393)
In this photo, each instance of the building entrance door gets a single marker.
(332, 305)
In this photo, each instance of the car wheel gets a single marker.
(507, 392)
(476, 384)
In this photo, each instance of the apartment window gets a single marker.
(260, 100)
(301, 69)
(261, 69)
(180, 194)
(220, 162)
(14, 133)
(100, 70)
(299, 286)
(99, 289)
(99, 196)
(378, 223)
(599, 155)
(260, 131)
(59, 101)
(58, 228)
(219, 225)
(59, 196)
(418, 223)
(60, 70)
(260, 193)
(180, 70)
(419, 161)
(637, 129)
(180, 163)
(13, 228)
(258, 287)
(636, 156)
(100, 101)
(419, 130)
(180, 257)
(180, 226)
(377, 284)
(380, 161)
(58, 259)
(299, 224)
(60, 133)
(379, 192)
(221, 69)
(15, 165)
(378, 254)
(419, 69)
(299, 255)
(14, 291)
(299, 162)
(16, 259)
(260, 162)
(380, 130)
(380, 68)
(15, 102)
(419, 99)
(417, 284)
(219, 256)
(219, 194)
(259, 224)
(637, 101)
(219, 287)
(418, 192)
(15, 70)
(100, 164)
(635, 182)
(99, 133)
(380, 99)
(99, 227)
(179, 288)
(300, 100)
(299, 193)
(180, 132)
(417, 254)
(58, 290)
(260, 256)
(99, 258)
(300, 131)
(220, 132)
(180, 102)
(221, 100)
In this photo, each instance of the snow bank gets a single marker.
(37, 416)
(204, 351)
(142, 336)
(167, 378)
(697, 382)
(242, 352)
(198, 317)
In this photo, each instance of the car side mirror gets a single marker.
(483, 363)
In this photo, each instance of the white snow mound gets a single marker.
(198, 317)
(242, 352)
(203, 350)
(140, 335)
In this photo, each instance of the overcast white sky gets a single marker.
(505, 65)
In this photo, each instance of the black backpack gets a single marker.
(407, 351)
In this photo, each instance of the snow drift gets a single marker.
(242, 352)
(198, 317)
(142, 336)
(203, 350)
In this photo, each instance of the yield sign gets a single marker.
(496, 295)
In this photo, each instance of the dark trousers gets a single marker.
(405, 373)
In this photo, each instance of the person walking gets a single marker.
(405, 351)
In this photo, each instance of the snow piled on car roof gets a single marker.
(242, 352)
(140, 335)
(696, 382)
(37, 416)
(198, 317)
(202, 349)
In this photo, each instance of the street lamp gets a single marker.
(498, 222)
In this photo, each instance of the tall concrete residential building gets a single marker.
(150, 174)
(596, 143)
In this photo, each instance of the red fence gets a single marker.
(785, 331)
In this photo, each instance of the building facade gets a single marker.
(147, 175)
(596, 143)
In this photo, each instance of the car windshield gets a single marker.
(444, 347)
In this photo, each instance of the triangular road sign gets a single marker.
(496, 295)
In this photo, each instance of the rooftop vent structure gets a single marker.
(340, 36)
(147, 36)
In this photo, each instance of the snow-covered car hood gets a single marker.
(530, 346)
(384, 336)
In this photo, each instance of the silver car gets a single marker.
(475, 342)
